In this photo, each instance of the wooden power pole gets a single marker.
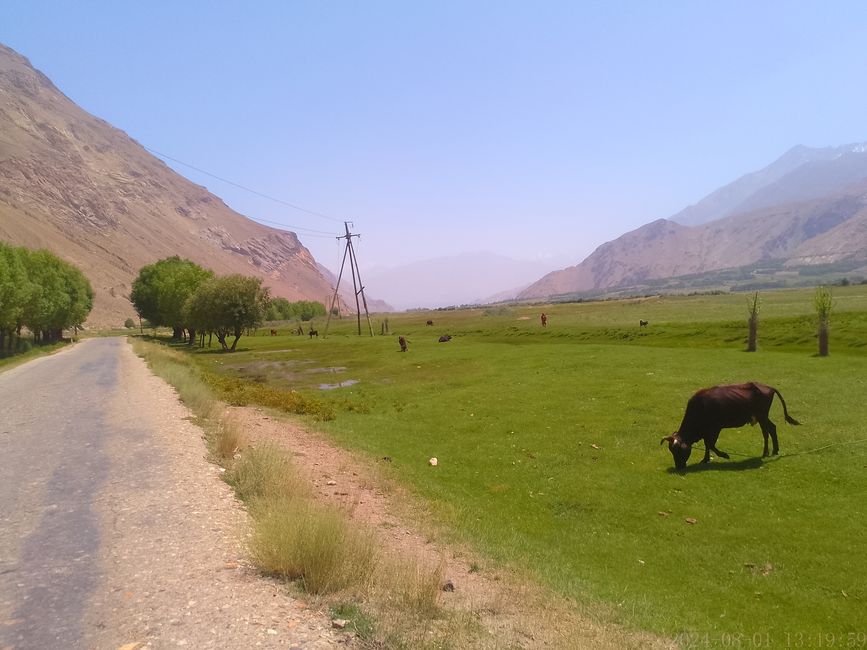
(357, 286)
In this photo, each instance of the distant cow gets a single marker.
(544, 319)
(273, 332)
(721, 407)
(314, 333)
(445, 338)
(642, 323)
(430, 322)
(402, 342)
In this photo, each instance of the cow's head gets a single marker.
(679, 450)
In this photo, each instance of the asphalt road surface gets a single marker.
(114, 529)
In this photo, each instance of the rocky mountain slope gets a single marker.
(73, 184)
(800, 174)
(814, 213)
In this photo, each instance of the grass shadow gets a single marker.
(721, 466)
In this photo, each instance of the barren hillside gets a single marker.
(73, 184)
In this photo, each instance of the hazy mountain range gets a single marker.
(809, 207)
(468, 278)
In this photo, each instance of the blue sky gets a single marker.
(530, 129)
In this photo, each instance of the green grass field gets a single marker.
(549, 456)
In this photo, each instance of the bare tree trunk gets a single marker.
(754, 335)
(823, 339)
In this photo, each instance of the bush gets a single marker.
(129, 323)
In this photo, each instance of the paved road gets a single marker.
(114, 530)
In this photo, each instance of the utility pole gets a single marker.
(357, 287)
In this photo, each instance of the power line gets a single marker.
(243, 187)
(316, 233)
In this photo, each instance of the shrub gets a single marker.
(264, 471)
(129, 323)
(300, 540)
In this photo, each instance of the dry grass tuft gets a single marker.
(265, 471)
(227, 438)
(300, 540)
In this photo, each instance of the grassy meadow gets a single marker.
(549, 456)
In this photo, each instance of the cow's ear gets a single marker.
(667, 438)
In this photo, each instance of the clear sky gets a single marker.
(530, 129)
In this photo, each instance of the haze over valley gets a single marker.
(518, 166)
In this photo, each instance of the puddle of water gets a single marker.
(340, 384)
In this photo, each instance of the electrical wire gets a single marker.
(243, 187)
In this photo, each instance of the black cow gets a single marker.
(314, 333)
(642, 323)
(430, 322)
(445, 338)
(721, 407)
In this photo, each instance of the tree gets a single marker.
(161, 290)
(228, 305)
(823, 302)
(14, 289)
(305, 310)
(60, 296)
(753, 310)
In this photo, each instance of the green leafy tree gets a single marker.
(305, 310)
(14, 291)
(227, 306)
(161, 290)
(60, 296)
(823, 302)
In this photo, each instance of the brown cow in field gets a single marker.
(402, 341)
(722, 407)
(273, 332)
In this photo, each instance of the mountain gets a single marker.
(73, 184)
(799, 174)
(346, 292)
(467, 278)
(774, 227)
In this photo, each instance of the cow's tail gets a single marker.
(789, 419)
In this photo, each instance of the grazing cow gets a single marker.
(314, 333)
(273, 332)
(642, 323)
(430, 322)
(544, 318)
(402, 342)
(722, 407)
(445, 338)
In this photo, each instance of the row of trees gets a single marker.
(180, 294)
(304, 310)
(40, 292)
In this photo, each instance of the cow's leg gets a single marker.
(770, 429)
(710, 445)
